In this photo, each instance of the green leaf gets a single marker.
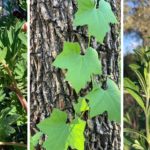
(23, 37)
(81, 106)
(131, 85)
(79, 68)
(133, 90)
(31, 146)
(140, 77)
(2, 95)
(137, 145)
(35, 139)
(10, 35)
(6, 121)
(97, 19)
(101, 100)
(3, 54)
(137, 97)
(61, 135)
(134, 66)
(132, 131)
(20, 69)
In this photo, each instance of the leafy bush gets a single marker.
(13, 83)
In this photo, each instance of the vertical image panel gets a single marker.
(75, 65)
(13, 75)
(136, 74)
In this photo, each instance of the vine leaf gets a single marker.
(81, 106)
(80, 67)
(105, 100)
(61, 135)
(34, 140)
(97, 19)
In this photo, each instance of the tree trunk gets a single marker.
(51, 25)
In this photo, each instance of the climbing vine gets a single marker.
(81, 69)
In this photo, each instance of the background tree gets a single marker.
(137, 18)
(51, 25)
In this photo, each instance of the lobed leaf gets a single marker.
(34, 140)
(80, 68)
(97, 19)
(101, 100)
(60, 134)
(81, 106)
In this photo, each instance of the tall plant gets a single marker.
(140, 91)
(82, 65)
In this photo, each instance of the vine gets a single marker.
(81, 69)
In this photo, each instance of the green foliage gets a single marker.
(60, 134)
(13, 81)
(101, 100)
(3, 54)
(12, 51)
(34, 140)
(23, 4)
(81, 106)
(98, 19)
(132, 90)
(6, 21)
(79, 68)
(2, 95)
(140, 91)
(137, 145)
(6, 120)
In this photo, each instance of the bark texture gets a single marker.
(51, 25)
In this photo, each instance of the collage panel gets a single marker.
(75, 78)
(13, 75)
(136, 74)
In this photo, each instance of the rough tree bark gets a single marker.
(51, 25)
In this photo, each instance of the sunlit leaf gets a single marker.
(109, 100)
(60, 134)
(97, 19)
(79, 67)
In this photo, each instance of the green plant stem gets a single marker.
(12, 144)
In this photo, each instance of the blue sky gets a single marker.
(132, 39)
